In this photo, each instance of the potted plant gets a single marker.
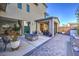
(14, 42)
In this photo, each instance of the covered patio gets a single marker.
(9, 32)
(48, 24)
(21, 46)
(9, 22)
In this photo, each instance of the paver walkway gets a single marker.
(57, 46)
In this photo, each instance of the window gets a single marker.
(27, 8)
(20, 5)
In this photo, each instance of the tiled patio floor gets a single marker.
(25, 46)
(54, 47)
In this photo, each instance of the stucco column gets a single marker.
(31, 24)
(22, 28)
(51, 27)
(38, 28)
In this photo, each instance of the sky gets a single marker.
(64, 11)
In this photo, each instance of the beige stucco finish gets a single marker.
(36, 12)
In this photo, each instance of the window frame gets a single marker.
(28, 8)
(19, 5)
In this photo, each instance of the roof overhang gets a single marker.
(49, 18)
(56, 20)
(44, 19)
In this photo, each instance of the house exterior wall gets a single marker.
(11, 11)
(36, 12)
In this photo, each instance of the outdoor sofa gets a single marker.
(31, 37)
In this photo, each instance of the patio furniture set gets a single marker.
(47, 33)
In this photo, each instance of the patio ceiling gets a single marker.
(5, 20)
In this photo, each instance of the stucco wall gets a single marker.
(11, 11)
(36, 12)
